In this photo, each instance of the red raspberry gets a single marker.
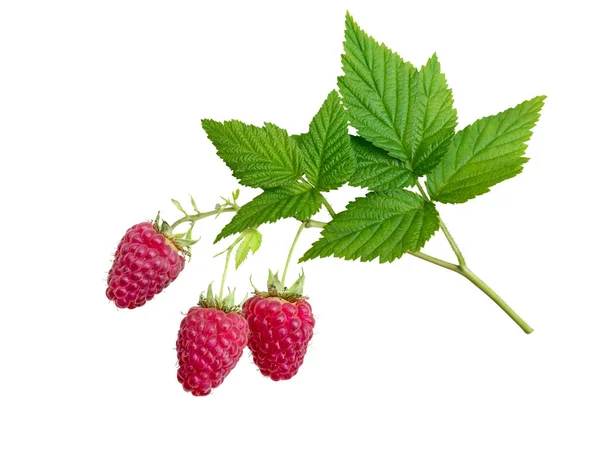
(209, 345)
(279, 334)
(145, 263)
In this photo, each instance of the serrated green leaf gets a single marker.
(251, 241)
(435, 120)
(382, 224)
(299, 200)
(407, 113)
(376, 170)
(262, 157)
(376, 89)
(328, 159)
(485, 153)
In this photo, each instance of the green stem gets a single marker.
(224, 277)
(496, 298)
(465, 272)
(449, 238)
(455, 249)
(289, 257)
(195, 217)
(227, 258)
(436, 261)
(462, 270)
(314, 224)
(330, 209)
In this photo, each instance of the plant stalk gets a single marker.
(496, 298)
(227, 258)
(461, 269)
(329, 208)
(196, 217)
(436, 261)
(314, 224)
(451, 241)
(224, 277)
(289, 257)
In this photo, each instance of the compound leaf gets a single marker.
(382, 224)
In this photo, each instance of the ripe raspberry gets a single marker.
(145, 263)
(209, 345)
(279, 334)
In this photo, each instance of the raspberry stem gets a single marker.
(227, 258)
(455, 249)
(328, 207)
(461, 269)
(224, 276)
(465, 272)
(289, 257)
(195, 217)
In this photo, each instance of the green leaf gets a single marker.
(262, 157)
(299, 200)
(382, 224)
(485, 153)
(328, 159)
(435, 119)
(251, 241)
(407, 113)
(376, 170)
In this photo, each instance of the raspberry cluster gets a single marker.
(145, 263)
(276, 325)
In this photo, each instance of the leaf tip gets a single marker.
(206, 123)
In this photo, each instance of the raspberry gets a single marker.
(209, 345)
(145, 263)
(280, 331)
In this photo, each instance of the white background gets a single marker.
(100, 108)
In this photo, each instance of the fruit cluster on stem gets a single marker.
(406, 132)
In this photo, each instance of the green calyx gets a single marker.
(182, 242)
(225, 304)
(275, 288)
